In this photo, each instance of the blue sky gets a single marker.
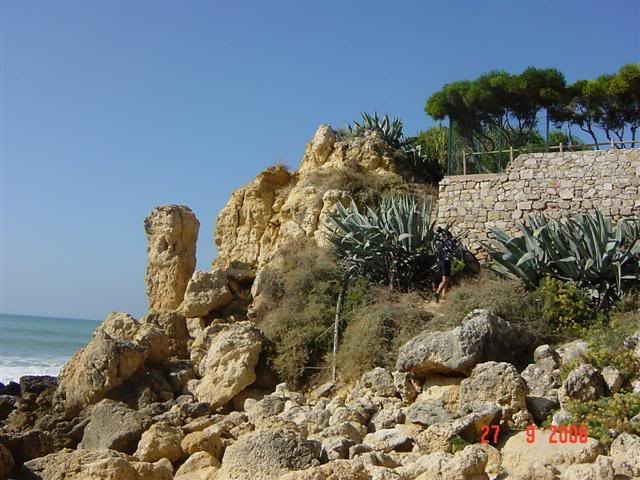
(111, 108)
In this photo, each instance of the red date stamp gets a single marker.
(556, 434)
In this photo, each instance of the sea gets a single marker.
(31, 345)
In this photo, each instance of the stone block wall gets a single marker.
(555, 183)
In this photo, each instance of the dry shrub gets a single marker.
(506, 298)
(301, 290)
(375, 331)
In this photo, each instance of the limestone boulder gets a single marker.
(497, 382)
(67, 464)
(172, 233)
(626, 448)
(103, 365)
(203, 441)
(613, 378)
(377, 382)
(6, 462)
(114, 426)
(160, 441)
(428, 412)
(206, 292)
(604, 468)
(25, 446)
(518, 455)
(482, 337)
(335, 470)
(123, 327)
(174, 326)
(160, 470)
(268, 455)
(468, 464)
(202, 464)
(228, 366)
(583, 383)
(389, 439)
(109, 469)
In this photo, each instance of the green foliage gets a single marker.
(377, 328)
(498, 100)
(388, 245)
(458, 443)
(565, 306)
(606, 343)
(391, 130)
(584, 248)
(607, 415)
(301, 288)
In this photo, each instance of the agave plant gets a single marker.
(390, 244)
(584, 248)
(391, 129)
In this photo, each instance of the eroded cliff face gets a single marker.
(278, 205)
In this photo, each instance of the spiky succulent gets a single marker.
(584, 248)
(390, 244)
(391, 130)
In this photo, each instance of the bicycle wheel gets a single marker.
(471, 263)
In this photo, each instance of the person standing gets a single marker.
(444, 254)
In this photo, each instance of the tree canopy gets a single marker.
(510, 104)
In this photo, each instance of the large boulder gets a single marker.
(267, 455)
(160, 441)
(500, 383)
(583, 383)
(103, 365)
(206, 292)
(25, 446)
(172, 233)
(67, 464)
(228, 366)
(519, 456)
(626, 448)
(122, 326)
(113, 426)
(482, 337)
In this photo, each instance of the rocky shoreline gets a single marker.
(187, 392)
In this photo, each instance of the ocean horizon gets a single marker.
(38, 345)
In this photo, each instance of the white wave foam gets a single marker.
(12, 368)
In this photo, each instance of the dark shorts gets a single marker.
(445, 267)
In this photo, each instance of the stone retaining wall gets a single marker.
(552, 182)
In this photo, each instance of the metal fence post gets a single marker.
(450, 146)
(464, 162)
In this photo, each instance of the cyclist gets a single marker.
(444, 254)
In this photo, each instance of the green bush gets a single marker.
(607, 415)
(375, 331)
(584, 248)
(390, 245)
(299, 300)
(565, 306)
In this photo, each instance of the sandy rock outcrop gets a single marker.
(279, 206)
(482, 337)
(103, 365)
(228, 366)
(122, 326)
(172, 233)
